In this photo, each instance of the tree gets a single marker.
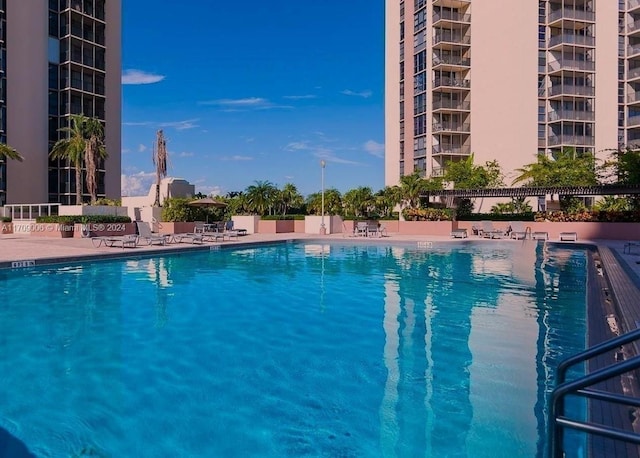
(385, 200)
(565, 169)
(7, 152)
(160, 159)
(332, 202)
(412, 187)
(261, 197)
(290, 198)
(72, 149)
(466, 175)
(358, 202)
(95, 151)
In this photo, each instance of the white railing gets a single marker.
(30, 211)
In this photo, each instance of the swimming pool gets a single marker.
(297, 349)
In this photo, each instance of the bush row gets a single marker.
(83, 219)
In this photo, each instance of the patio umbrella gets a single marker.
(207, 202)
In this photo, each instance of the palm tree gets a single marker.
(160, 158)
(261, 196)
(359, 201)
(290, 197)
(410, 189)
(95, 151)
(7, 152)
(72, 149)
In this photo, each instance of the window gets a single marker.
(420, 125)
(420, 82)
(420, 61)
(420, 103)
(419, 20)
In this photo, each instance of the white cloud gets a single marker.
(132, 76)
(247, 103)
(180, 125)
(297, 146)
(137, 184)
(374, 148)
(185, 154)
(300, 97)
(141, 148)
(209, 190)
(364, 94)
(236, 157)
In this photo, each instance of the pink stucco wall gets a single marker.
(585, 231)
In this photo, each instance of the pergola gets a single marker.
(540, 192)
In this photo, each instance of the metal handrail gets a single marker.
(580, 387)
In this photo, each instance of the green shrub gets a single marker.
(590, 216)
(83, 219)
(282, 217)
(528, 216)
(5, 219)
(428, 214)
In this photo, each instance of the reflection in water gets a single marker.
(429, 330)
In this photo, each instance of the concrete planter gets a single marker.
(584, 231)
(52, 230)
(103, 229)
(440, 228)
(312, 223)
(248, 222)
(275, 226)
(298, 226)
(73, 210)
(179, 227)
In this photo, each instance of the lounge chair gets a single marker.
(373, 229)
(518, 231)
(490, 232)
(144, 232)
(233, 231)
(568, 236)
(459, 234)
(130, 240)
(361, 229)
(191, 237)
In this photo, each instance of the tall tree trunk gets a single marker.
(78, 183)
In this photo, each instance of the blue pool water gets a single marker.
(328, 350)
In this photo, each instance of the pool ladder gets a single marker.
(583, 387)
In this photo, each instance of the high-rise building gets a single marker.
(58, 58)
(507, 80)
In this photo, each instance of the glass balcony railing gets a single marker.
(633, 73)
(571, 64)
(452, 16)
(451, 60)
(585, 91)
(571, 140)
(571, 14)
(451, 82)
(571, 115)
(450, 149)
(451, 127)
(632, 4)
(571, 39)
(455, 38)
(451, 104)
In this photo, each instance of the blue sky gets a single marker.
(254, 90)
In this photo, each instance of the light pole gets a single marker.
(323, 229)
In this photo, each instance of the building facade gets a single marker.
(507, 80)
(59, 58)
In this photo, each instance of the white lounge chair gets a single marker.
(518, 231)
(144, 232)
(130, 240)
(490, 232)
(361, 229)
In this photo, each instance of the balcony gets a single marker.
(445, 62)
(633, 27)
(453, 105)
(446, 17)
(571, 140)
(633, 50)
(572, 40)
(447, 40)
(451, 127)
(571, 115)
(633, 121)
(571, 14)
(449, 149)
(633, 73)
(451, 83)
(567, 89)
(632, 5)
(572, 65)
(457, 4)
(633, 98)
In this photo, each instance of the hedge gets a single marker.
(282, 217)
(83, 219)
